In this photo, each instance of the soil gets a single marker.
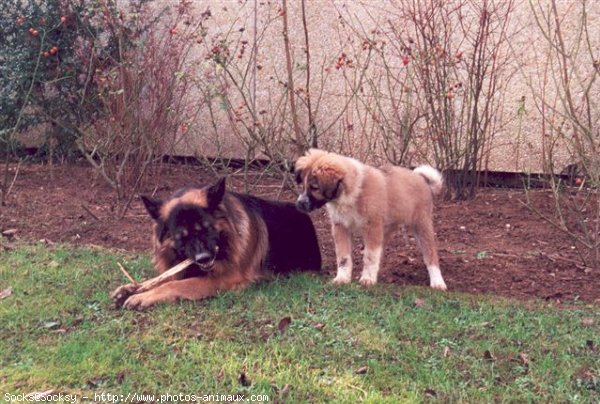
(493, 244)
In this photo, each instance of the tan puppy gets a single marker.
(370, 202)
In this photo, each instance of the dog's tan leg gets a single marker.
(189, 288)
(426, 241)
(343, 252)
(373, 238)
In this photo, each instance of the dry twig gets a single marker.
(126, 273)
(121, 294)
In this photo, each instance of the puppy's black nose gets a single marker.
(303, 203)
(202, 258)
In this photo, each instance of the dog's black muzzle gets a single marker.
(304, 204)
(206, 259)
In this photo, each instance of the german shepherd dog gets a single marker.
(370, 202)
(233, 239)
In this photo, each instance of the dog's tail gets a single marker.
(432, 176)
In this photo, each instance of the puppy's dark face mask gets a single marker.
(317, 190)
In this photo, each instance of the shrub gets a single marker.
(566, 97)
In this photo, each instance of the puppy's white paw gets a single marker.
(341, 280)
(439, 285)
(436, 281)
(365, 281)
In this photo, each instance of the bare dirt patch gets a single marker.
(492, 244)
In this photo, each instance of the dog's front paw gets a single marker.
(341, 280)
(436, 281)
(141, 301)
(120, 294)
(366, 281)
(438, 284)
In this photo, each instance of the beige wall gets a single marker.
(346, 125)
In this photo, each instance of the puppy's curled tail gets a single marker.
(432, 176)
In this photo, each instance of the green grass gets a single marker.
(58, 331)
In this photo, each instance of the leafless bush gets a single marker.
(433, 87)
(458, 55)
(566, 95)
(144, 93)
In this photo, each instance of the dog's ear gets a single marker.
(300, 166)
(298, 174)
(153, 206)
(161, 231)
(215, 193)
(331, 188)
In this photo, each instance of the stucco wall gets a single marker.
(343, 109)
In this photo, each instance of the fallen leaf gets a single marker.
(284, 323)
(5, 293)
(50, 325)
(590, 345)
(430, 393)
(78, 320)
(220, 375)
(489, 356)
(362, 370)
(319, 326)
(419, 303)
(587, 322)
(244, 381)
(285, 390)
(9, 233)
(94, 383)
(446, 352)
(120, 377)
(524, 358)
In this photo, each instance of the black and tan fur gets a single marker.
(370, 202)
(234, 239)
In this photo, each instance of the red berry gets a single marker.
(63, 19)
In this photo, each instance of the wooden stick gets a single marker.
(126, 273)
(150, 283)
(122, 293)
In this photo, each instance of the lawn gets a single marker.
(293, 339)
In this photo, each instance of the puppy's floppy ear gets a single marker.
(300, 167)
(331, 188)
(153, 206)
(215, 193)
(298, 174)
